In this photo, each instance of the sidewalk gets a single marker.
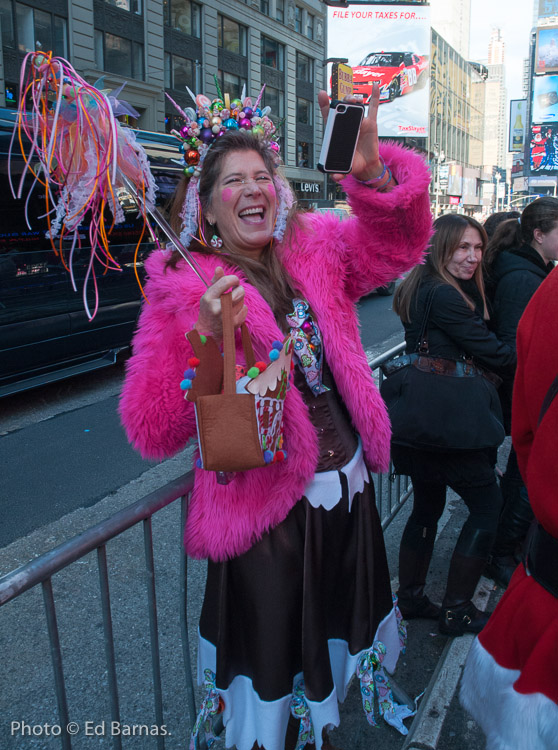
(432, 662)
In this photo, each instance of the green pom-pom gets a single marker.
(203, 338)
(253, 372)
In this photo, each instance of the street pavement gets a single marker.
(428, 672)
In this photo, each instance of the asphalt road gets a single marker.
(63, 447)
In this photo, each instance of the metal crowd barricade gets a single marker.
(391, 494)
(392, 491)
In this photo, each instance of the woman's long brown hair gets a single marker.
(267, 273)
(540, 214)
(448, 232)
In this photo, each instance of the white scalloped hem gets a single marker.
(265, 722)
(510, 720)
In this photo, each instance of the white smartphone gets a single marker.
(340, 137)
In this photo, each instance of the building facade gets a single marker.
(158, 46)
(456, 129)
(452, 21)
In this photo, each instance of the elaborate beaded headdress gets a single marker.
(203, 126)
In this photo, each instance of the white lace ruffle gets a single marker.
(325, 490)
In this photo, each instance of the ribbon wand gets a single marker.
(84, 154)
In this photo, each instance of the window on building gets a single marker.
(274, 98)
(264, 7)
(273, 54)
(231, 84)
(298, 19)
(184, 16)
(179, 72)
(232, 36)
(303, 154)
(134, 6)
(304, 111)
(280, 10)
(34, 25)
(309, 26)
(114, 54)
(304, 68)
(7, 23)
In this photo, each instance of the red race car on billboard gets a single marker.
(397, 73)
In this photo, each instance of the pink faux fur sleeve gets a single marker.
(156, 417)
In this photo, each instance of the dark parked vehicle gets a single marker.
(45, 333)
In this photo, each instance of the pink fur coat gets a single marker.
(332, 264)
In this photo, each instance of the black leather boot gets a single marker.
(415, 554)
(513, 526)
(459, 615)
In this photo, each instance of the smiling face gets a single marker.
(467, 256)
(243, 204)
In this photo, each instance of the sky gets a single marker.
(515, 19)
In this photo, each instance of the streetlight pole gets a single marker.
(498, 177)
(439, 157)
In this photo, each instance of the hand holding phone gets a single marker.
(366, 161)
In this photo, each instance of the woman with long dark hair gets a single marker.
(518, 259)
(451, 284)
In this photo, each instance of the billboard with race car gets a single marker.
(391, 45)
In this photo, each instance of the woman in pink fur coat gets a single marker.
(298, 595)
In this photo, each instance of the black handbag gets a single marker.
(441, 404)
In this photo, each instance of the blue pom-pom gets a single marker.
(268, 457)
(190, 374)
(186, 383)
(199, 464)
(273, 355)
(277, 345)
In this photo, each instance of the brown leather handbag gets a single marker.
(239, 422)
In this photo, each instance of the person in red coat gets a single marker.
(510, 682)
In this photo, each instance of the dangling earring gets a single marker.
(216, 242)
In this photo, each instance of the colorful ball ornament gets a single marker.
(231, 124)
(245, 123)
(184, 132)
(192, 156)
(236, 104)
(206, 135)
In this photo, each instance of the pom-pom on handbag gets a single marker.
(239, 421)
(441, 404)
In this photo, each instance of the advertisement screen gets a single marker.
(545, 99)
(544, 149)
(546, 55)
(547, 8)
(517, 125)
(391, 45)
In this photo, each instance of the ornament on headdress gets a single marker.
(203, 126)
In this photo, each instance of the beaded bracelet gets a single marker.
(380, 176)
(373, 181)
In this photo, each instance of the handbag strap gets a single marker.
(422, 343)
(229, 349)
